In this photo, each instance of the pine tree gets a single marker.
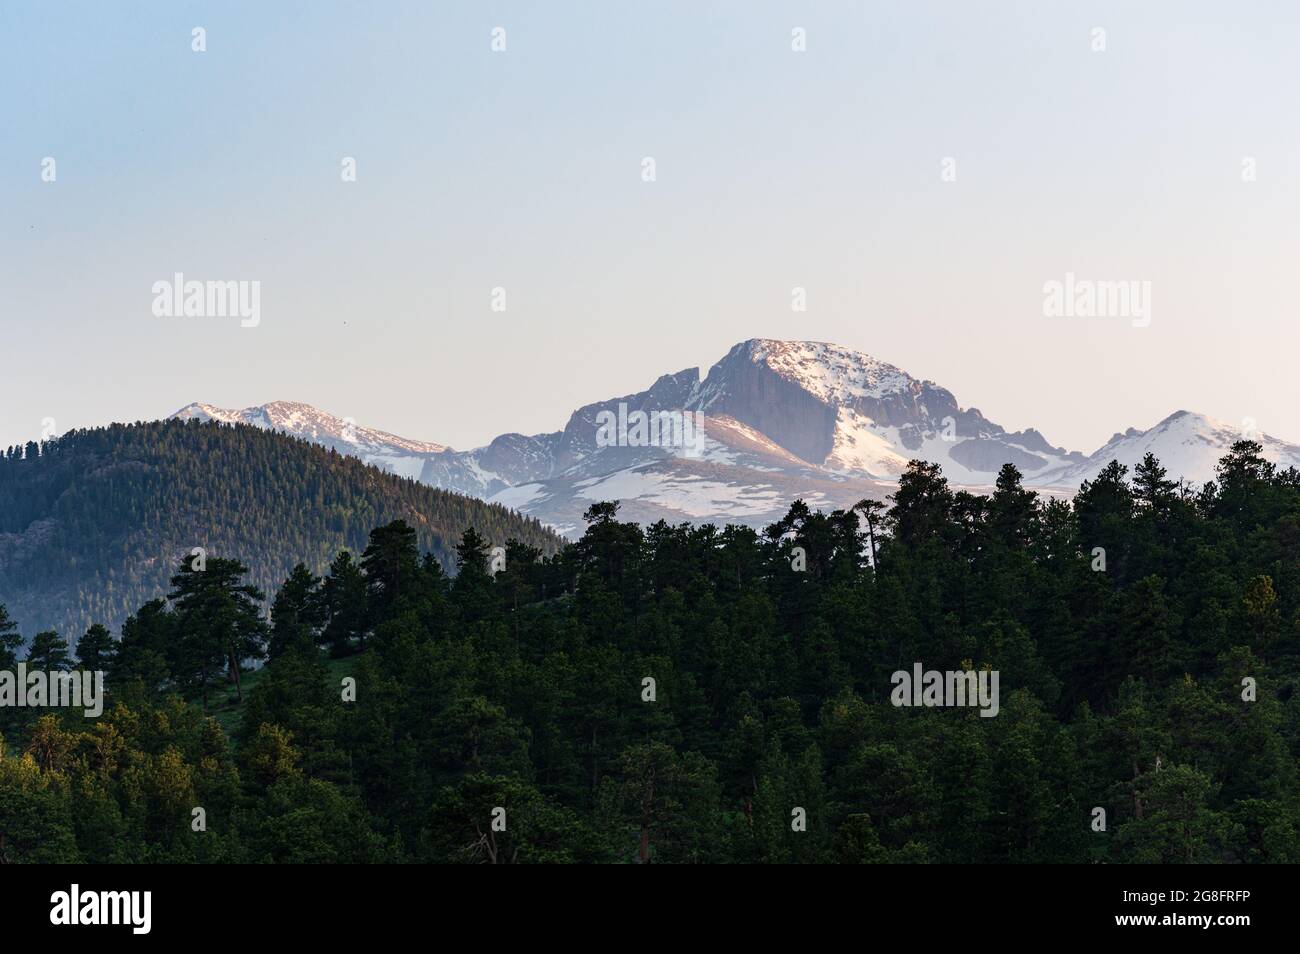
(871, 511)
(48, 652)
(10, 640)
(345, 599)
(1012, 509)
(921, 504)
(1150, 484)
(472, 556)
(96, 649)
(219, 620)
(298, 611)
(391, 566)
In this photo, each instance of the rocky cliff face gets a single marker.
(748, 389)
(798, 393)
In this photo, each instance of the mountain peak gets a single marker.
(1177, 416)
(1187, 444)
(830, 372)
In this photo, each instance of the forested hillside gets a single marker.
(1147, 641)
(93, 523)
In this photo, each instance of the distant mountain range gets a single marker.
(771, 421)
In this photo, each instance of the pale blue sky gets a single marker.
(522, 169)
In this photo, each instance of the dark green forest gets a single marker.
(93, 522)
(520, 695)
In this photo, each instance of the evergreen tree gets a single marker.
(1150, 485)
(218, 619)
(298, 612)
(1012, 509)
(10, 640)
(391, 566)
(345, 598)
(472, 560)
(48, 652)
(96, 649)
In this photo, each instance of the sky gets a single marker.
(921, 170)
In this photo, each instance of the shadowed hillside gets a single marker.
(93, 523)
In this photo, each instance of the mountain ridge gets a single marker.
(777, 420)
(95, 522)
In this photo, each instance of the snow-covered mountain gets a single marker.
(772, 421)
(386, 451)
(850, 414)
(1187, 445)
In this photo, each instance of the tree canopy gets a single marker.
(702, 694)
